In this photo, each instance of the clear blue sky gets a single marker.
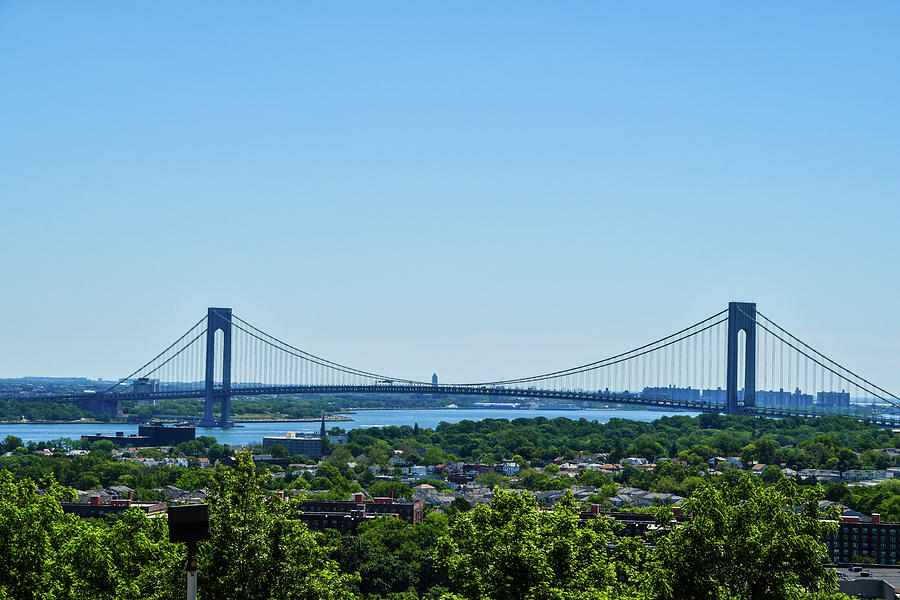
(485, 190)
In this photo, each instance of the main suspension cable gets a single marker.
(613, 360)
(892, 400)
(840, 366)
(148, 363)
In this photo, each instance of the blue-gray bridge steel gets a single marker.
(681, 371)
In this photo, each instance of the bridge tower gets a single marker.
(218, 319)
(741, 317)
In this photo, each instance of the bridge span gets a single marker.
(737, 361)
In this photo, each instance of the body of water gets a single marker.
(252, 433)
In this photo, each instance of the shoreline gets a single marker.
(340, 416)
(597, 408)
(63, 423)
(333, 419)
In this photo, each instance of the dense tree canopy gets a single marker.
(512, 550)
(47, 554)
(745, 540)
(259, 549)
(824, 442)
(748, 538)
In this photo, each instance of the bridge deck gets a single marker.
(457, 390)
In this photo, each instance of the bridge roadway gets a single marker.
(453, 390)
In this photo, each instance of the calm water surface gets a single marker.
(252, 433)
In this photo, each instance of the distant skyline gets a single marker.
(481, 191)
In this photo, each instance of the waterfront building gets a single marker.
(718, 396)
(148, 435)
(782, 399)
(672, 393)
(833, 399)
(145, 385)
(297, 444)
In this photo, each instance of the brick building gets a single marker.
(346, 515)
(872, 539)
(632, 524)
(97, 508)
(856, 537)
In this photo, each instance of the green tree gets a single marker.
(771, 474)
(385, 489)
(461, 504)
(847, 459)
(490, 478)
(767, 451)
(875, 460)
(435, 456)
(217, 451)
(258, 549)
(87, 481)
(51, 555)
(103, 446)
(366, 478)
(331, 472)
(744, 541)
(10, 443)
(511, 549)
(398, 556)
(195, 479)
(28, 538)
(278, 451)
(594, 478)
(192, 447)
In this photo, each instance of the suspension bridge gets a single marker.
(738, 361)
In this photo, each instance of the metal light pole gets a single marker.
(189, 524)
(192, 571)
